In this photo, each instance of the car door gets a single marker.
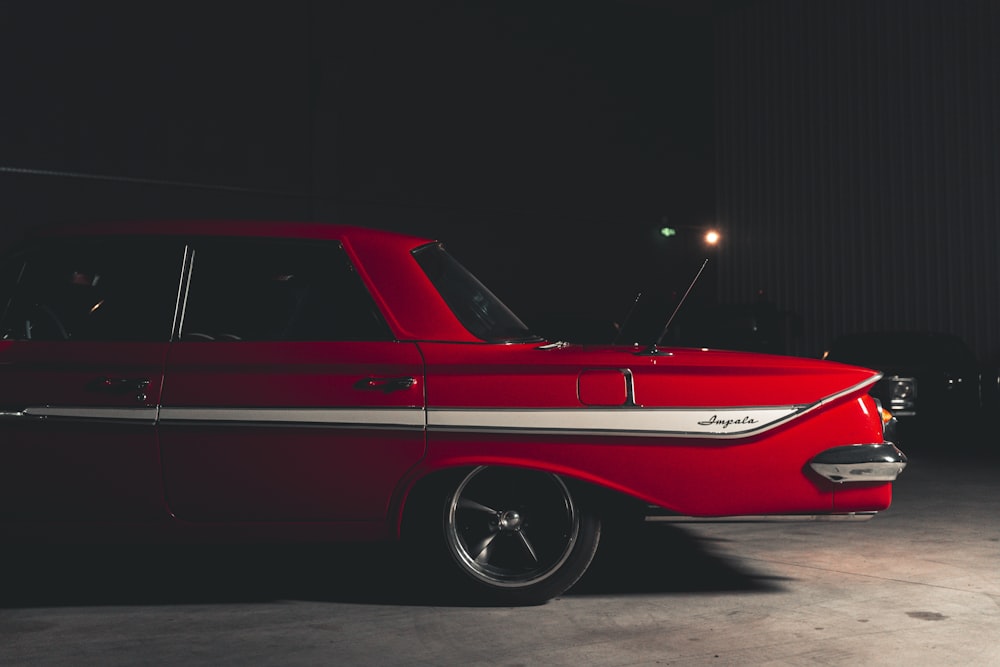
(85, 325)
(286, 397)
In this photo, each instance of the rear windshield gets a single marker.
(479, 311)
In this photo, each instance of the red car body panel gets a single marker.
(527, 376)
(238, 465)
(80, 470)
(328, 439)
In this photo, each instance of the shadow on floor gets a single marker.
(664, 558)
(642, 560)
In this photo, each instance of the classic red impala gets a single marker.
(266, 381)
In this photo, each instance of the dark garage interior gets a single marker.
(847, 151)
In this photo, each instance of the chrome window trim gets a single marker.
(183, 286)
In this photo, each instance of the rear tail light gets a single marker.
(886, 416)
(888, 422)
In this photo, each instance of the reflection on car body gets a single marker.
(284, 381)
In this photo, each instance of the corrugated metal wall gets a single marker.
(858, 165)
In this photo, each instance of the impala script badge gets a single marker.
(726, 423)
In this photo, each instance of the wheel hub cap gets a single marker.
(509, 520)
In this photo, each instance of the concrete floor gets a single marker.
(917, 585)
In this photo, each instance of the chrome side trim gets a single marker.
(629, 420)
(408, 417)
(141, 414)
(876, 376)
(761, 518)
(700, 422)
(876, 462)
(365, 417)
(711, 423)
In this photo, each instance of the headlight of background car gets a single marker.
(902, 395)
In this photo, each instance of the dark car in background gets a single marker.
(929, 379)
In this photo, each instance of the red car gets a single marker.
(206, 381)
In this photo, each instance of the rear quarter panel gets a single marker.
(760, 473)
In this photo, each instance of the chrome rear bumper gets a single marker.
(877, 462)
(660, 515)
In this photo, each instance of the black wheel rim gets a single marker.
(511, 528)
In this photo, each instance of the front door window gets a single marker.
(85, 325)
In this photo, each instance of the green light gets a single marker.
(668, 232)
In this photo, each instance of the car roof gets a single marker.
(230, 228)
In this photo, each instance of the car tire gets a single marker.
(517, 537)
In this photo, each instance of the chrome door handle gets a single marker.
(121, 384)
(385, 384)
(115, 385)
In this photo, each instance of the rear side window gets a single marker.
(274, 290)
(91, 290)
